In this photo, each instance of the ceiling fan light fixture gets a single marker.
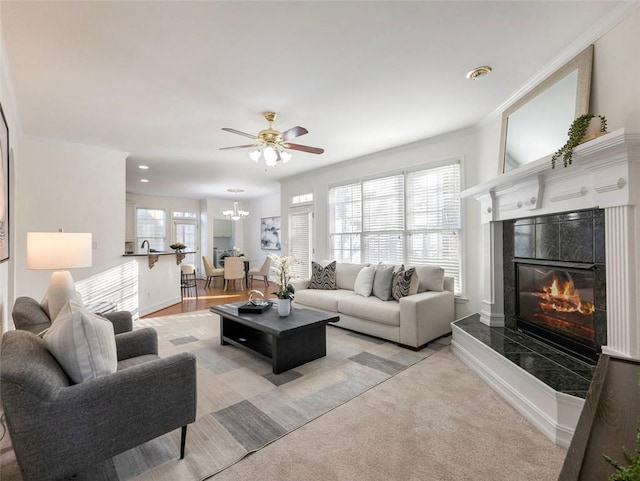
(285, 156)
(270, 155)
(255, 155)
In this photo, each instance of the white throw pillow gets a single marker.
(364, 281)
(83, 343)
(52, 305)
(431, 278)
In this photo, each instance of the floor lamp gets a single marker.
(59, 251)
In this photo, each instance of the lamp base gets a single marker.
(61, 289)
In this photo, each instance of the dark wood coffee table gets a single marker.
(286, 342)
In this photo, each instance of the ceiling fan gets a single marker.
(271, 143)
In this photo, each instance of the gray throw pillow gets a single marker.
(382, 282)
(402, 282)
(323, 277)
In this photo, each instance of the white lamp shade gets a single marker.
(58, 250)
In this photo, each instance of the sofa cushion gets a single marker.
(382, 282)
(371, 309)
(323, 277)
(431, 278)
(322, 299)
(83, 343)
(346, 274)
(401, 283)
(364, 282)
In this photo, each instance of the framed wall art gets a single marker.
(4, 188)
(270, 233)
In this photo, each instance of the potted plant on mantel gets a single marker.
(284, 275)
(583, 128)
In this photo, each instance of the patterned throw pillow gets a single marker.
(402, 282)
(323, 277)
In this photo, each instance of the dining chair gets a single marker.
(233, 271)
(210, 271)
(263, 272)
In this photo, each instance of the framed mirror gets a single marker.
(536, 125)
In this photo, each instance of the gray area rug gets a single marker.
(242, 405)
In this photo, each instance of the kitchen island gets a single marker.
(158, 279)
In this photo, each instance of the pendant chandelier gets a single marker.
(235, 214)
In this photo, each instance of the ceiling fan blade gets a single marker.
(303, 148)
(293, 132)
(240, 146)
(234, 131)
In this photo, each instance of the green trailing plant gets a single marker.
(630, 472)
(577, 130)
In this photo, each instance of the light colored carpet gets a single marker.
(435, 421)
(242, 405)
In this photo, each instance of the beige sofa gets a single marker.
(412, 322)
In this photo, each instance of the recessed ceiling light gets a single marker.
(143, 167)
(144, 180)
(479, 72)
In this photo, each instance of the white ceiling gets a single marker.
(160, 79)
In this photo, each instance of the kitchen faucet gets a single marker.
(143, 243)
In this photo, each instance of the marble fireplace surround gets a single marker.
(605, 174)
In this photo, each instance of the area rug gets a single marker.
(242, 405)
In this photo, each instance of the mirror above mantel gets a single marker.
(536, 125)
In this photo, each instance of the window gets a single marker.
(184, 215)
(302, 199)
(151, 225)
(411, 218)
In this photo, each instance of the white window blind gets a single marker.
(411, 218)
(300, 241)
(345, 211)
(151, 225)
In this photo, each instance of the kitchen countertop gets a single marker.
(159, 253)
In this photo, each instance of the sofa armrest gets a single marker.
(95, 420)
(121, 320)
(137, 343)
(300, 284)
(425, 316)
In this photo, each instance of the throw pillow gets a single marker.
(431, 278)
(382, 282)
(83, 343)
(401, 283)
(415, 283)
(364, 282)
(53, 302)
(323, 277)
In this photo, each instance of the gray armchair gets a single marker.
(28, 315)
(59, 429)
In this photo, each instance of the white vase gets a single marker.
(284, 307)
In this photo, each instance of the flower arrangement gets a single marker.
(177, 246)
(282, 270)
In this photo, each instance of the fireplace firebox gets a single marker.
(556, 303)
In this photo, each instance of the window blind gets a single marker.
(151, 225)
(300, 242)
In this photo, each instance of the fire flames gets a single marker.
(563, 298)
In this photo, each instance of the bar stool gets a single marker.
(188, 279)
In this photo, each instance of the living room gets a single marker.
(83, 185)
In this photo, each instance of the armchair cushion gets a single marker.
(83, 343)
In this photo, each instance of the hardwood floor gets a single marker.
(213, 296)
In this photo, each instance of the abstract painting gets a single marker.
(270, 233)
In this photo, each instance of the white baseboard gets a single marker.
(157, 307)
(554, 413)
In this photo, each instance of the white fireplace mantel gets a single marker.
(604, 173)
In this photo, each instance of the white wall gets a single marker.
(460, 144)
(7, 268)
(266, 206)
(74, 187)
